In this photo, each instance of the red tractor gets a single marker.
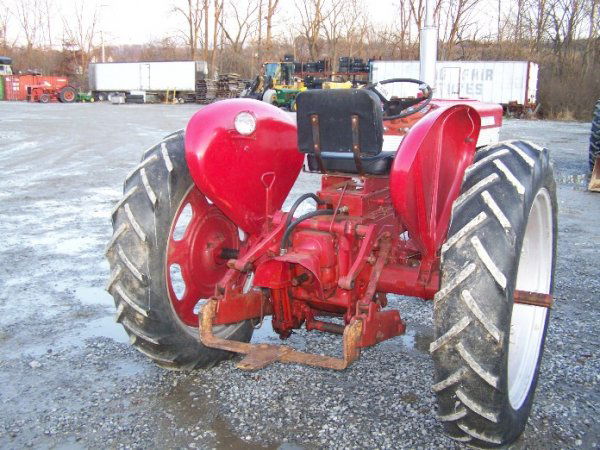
(46, 89)
(202, 251)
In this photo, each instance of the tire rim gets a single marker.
(528, 322)
(193, 262)
(69, 96)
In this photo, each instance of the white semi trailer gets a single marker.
(504, 82)
(144, 80)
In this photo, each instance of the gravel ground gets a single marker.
(69, 379)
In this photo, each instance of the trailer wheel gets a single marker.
(487, 349)
(45, 98)
(156, 279)
(67, 95)
(595, 136)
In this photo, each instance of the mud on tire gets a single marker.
(142, 220)
(509, 186)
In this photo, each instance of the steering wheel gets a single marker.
(397, 108)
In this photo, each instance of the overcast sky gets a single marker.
(141, 21)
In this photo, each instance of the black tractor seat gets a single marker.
(341, 130)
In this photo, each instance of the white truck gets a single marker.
(510, 83)
(143, 81)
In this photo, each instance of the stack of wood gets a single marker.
(229, 86)
(206, 91)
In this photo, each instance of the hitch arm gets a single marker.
(261, 355)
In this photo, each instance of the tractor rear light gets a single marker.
(245, 123)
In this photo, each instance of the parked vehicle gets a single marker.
(5, 65)
(155, 79)
(202, 252)
(505, 82)
(39, 88)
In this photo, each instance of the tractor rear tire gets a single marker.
(144, 222)
(595, 136)
(487, 349)
(67, 95)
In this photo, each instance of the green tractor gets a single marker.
(277, 85)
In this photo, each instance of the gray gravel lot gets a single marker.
(69, 379)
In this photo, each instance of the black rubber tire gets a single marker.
(473, 309)
(142, 220)
(45, 98)
(594, 151)
(67, 95)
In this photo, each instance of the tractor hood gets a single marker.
(246, 171)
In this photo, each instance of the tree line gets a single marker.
(239, 35)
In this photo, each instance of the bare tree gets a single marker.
(538, 15)
(593, 12)
(218, 10)
(334, 23)
(5, 15)
(271, 10)
(520, 5)
(29, 19)
(398, 36)
(458, 14)
(244, 23)
(417, 9)
(192, 12)
(260, 21)
(565, 16)
(206, 9)
(80, 31)
(48, 14)
(311, 15)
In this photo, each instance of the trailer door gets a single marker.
(144, 77)
(449, 84)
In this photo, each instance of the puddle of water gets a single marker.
(93, 296)
(417, 339)
(102, 327)
(129, 368)
(408, 339)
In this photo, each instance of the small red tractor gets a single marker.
(51, 88)
(202, 252)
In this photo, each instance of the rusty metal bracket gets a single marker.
(261, 355)
(314, 120)
(534, 299)
(347, 281)
(362, 306)
(356, 144)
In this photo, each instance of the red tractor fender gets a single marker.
(428, 171)
(246, 177)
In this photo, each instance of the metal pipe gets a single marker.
(428, 37)
(328, 327)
